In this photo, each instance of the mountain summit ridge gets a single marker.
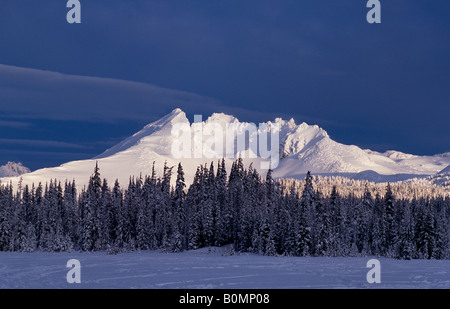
(13, 169)
(302, 148)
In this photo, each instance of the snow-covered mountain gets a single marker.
(442, 178)
(12, 169)
(302, 148)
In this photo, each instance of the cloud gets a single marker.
(15, 124)
(40, 143)
(39, 94)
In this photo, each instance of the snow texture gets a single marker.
(214, 268)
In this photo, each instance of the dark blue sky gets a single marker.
(384, 86)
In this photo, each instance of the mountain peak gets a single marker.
(177, 115)
(163, 125)
(221, 118)
(13, 169)
(177, 111)
(302, 148)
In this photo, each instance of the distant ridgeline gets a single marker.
(315, 217)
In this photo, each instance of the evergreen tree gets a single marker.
(425, 234)
(440, 250)
(19, 227)
(378, 228)
(71, 224)
(235, 199)
(307, 206)
(30, 242)
(322, 228)
(118, 241)
(361, 221)
(179, 214)
(90, 235)
(223, 209)
(338, 228)
(265, 216)
(390, 226)
(143, 235)
(193, 199)
(6, 218)
(405, 244)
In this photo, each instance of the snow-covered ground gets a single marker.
(202, 270)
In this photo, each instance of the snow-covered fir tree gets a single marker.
(317, 216)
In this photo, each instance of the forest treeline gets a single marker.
(254, 213)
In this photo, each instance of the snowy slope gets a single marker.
(12, 169)
(442, 178)
(302, 148)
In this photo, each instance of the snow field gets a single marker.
(214, 268)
